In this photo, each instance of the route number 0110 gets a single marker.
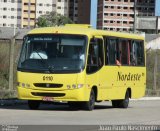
(47, 78)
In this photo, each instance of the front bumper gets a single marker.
(81, 94)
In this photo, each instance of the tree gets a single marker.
(52, 19)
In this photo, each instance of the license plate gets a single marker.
(47, 99)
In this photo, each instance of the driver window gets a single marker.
(95, 55)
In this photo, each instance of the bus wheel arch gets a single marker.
(94, 88)
(90, 104)
(130, 92)
(124, 102)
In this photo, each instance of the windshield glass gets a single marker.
(53, 53)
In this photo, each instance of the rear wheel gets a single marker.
(89, 105)
(121, 103)
(125, 102)
(33, 104)
(115, 103)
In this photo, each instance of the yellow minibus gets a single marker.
(80, 65)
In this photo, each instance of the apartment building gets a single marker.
(28, 13)
(23, 13)
(117, 15)
(73, 10)
(146, 20)
(10, 15)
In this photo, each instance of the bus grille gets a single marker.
(48, 85)
(48, 94)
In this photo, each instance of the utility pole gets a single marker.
(156, 61)
(155, 71)
(11, 61)
(134, 26)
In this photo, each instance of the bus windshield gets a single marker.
(53, 53)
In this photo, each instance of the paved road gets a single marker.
(139, 112)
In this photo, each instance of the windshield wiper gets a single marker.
(50, 68)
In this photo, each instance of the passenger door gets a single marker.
(95, 62)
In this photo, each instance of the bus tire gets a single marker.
(125, 102)
(115, 103)
(33, 104)
(89, 105)
(73, 105)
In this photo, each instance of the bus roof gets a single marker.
(83, 29)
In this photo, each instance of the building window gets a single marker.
(18, 17)
(4, 8)
(12, 17)
(53, 5)
(4, 17)
(19, 1)
(12, 1)
(40, 4)
(5, 1)
(12, 9)
(12, 25)
(47, 5)
(4, 24)
(19, 9)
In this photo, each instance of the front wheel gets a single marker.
(89, 105)
(33, 104)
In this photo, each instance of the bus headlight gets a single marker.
(28, 85)
(24, 85)
(68, 86)
(74, 86)
(80, 85)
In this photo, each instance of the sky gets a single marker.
(157, 8)
(93, 19)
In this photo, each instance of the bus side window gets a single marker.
(140, 54)
(134, 53)
(111, 50)
(137, 55)
(125, 52)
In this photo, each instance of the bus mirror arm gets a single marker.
(24, 38)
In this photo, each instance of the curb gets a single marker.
(146, 99)
(12, 102)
